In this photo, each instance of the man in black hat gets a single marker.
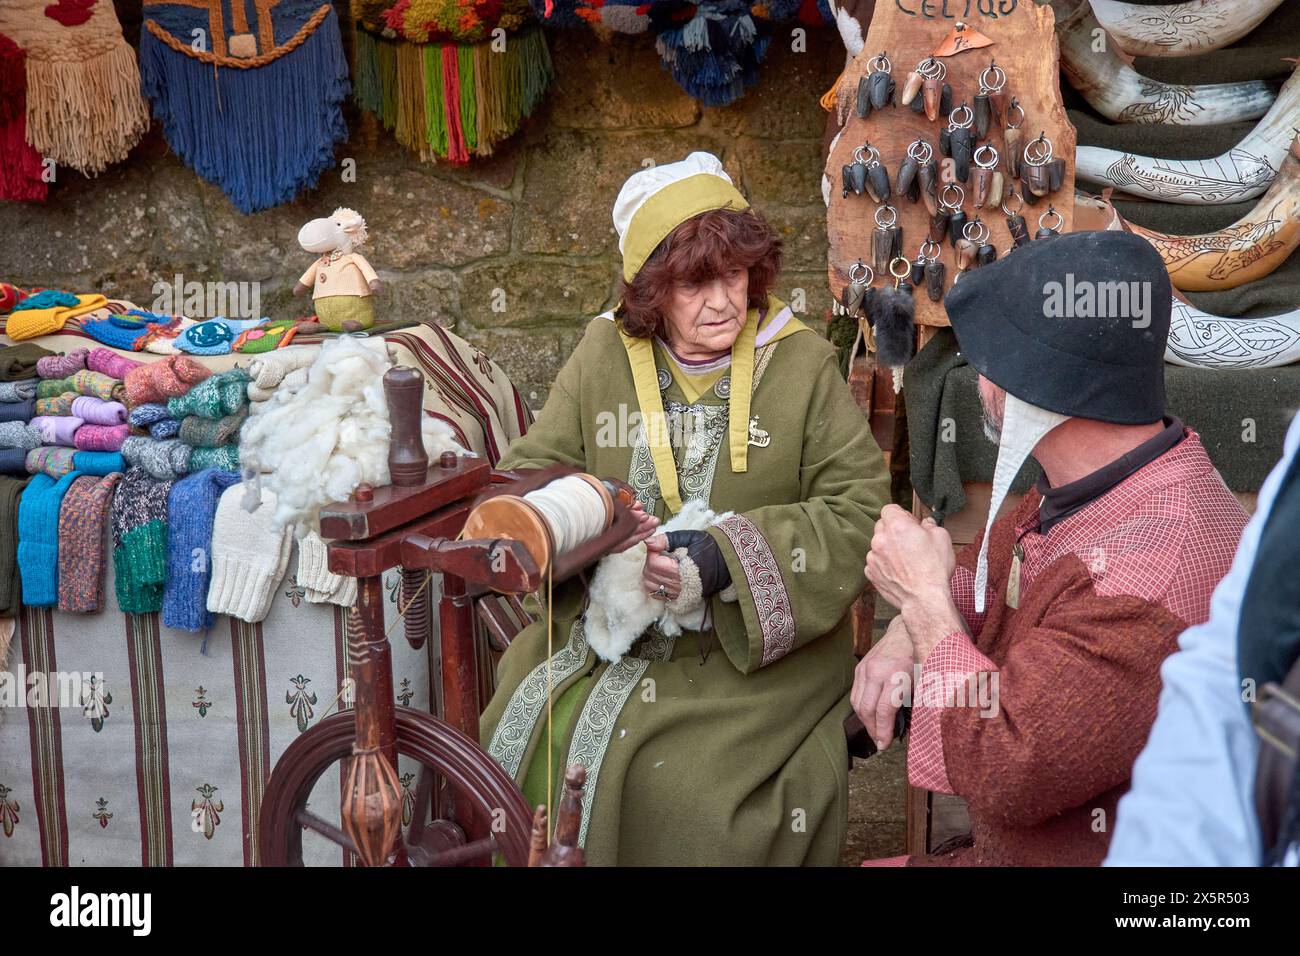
(1032, 659)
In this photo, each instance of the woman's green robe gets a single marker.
(725, 750)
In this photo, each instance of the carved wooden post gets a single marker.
(564, 849)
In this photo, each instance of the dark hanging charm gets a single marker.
(927, 179)
(945, 141)
(862, 103)
(881, 83)
(986, 254)
(1014, 138)
(1016, 224)
(1035, 177)
(973, 249)
(858, 289)
(1044, 230)
(933, 270)
(917, 106)
(961, 140)
(945, 101)
(853, 177)
(907, 182)
(986, 188)
(877, 177)
(992, 80)
(932, 89)
(956, 224)
(886, 239)
(1055, 174)
(950, 219)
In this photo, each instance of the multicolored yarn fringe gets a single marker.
(260, 114)
(441, 21)
(451, 101)
(713, 49)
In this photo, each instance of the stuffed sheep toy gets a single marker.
(341, 280)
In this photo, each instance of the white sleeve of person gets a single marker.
(250, 555)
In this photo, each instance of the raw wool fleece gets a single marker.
(316, 443)
(619, 611)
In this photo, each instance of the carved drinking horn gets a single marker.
(1241, 173)
(1119, 93)
(1180, 29)
(1249, 249)
(1201, 340)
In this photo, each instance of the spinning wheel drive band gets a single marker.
(512, 518)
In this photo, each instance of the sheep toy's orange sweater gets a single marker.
(1104, 595)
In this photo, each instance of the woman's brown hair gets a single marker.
(701, 248)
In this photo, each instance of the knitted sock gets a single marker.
(61, 366)
(58, 405)
(191, 510)
(99, 463)
(81, 543)
(57, 430)
(139, 521)
(19, 435)
(38, 538)
(220, 395)
(110, 363)
(142, 416)
(52, 387)
(268, 371)
(161, 460)
(94, 383)
(212, 433)
(17, 411)
(101, 437)
(10, 587)
(226, 458)
(159, 381)
(13, 461)
(166, 428)
(18, 362)
(17, 391)
(96, 411)
(50, 460)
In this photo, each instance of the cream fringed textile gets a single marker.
(84, 108)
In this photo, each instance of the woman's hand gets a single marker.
(646, 524)
(661, 570)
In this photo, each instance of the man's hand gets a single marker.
(661, 570)
(646, 524)
(909, 560)
(878, 680)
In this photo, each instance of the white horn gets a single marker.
(1249, 249)
(1180, 29)
(1118, 92)
(1241, 173)
(1200, 340)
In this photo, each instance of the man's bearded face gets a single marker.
(993, 400)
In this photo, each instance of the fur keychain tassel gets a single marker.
(893, 315)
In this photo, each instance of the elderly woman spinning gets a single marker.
(725, 745)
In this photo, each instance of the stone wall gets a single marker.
(515, 252)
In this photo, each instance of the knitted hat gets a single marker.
(110, 363)
(19, 435)
(97, 384)
(249, 557)
(101, 437)
(82, 520)
(46, 299)
(13, 461)
(159, 381)
(30, 323)
(139, 521)
(38, 538)
(211, 433)
(655, 201)
(226, 458)
(17, 411)
(10, 586)
(96, 411)
(213, 336)
(267, 337)
(61, 366)
(320, 584)
(215, 397)
(162, 460)
(190, 514)
(161, 339)
(98, 463)
(53, 460)
(18, 362)
(58, 405)
(119, 331)
(17, 391)
(57, 430)
(53, 387)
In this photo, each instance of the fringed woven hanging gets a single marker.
(429, 71)
(257, 108)
(83, 104)
(713, 49)
(20, 164)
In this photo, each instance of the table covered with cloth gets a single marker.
(169, 763)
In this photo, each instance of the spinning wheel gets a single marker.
(466, 810)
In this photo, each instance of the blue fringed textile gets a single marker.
(263, 133)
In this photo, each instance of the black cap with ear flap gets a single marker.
(1074, 324)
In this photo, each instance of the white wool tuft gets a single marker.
(619, 610)
(316, 440)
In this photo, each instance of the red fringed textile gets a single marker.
(20, 165)
(457, 151)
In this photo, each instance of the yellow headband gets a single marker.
(669, 208)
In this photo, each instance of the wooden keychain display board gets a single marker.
(1024, 47)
